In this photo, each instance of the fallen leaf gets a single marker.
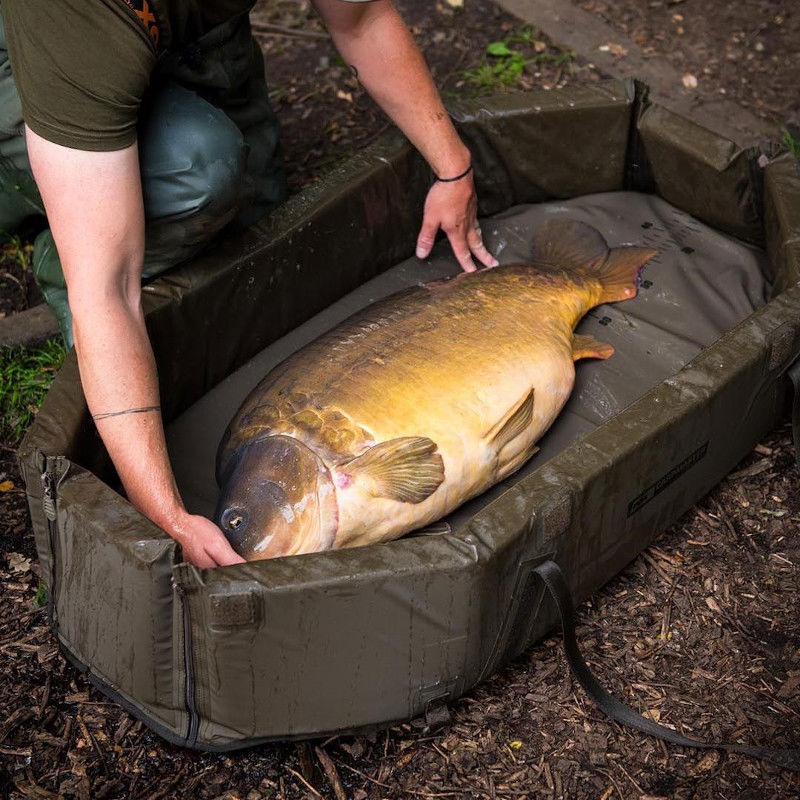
(515, 745)
(653, 714)
(345, 96)
(689, 80)
(708, 762)
(18, 562)
(713, 605)
(615, 49)
(455, 3)
(6, 486)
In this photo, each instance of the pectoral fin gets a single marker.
(589, 347)
(407, 469)
(513, 424)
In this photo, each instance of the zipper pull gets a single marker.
(49, 495)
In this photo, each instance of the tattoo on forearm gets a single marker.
(108, 414)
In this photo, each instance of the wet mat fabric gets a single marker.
(701, 285)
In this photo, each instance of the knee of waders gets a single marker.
(50, 279)
(192, 163)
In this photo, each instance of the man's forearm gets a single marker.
(374, 40)
(94, 206)
(119, 380)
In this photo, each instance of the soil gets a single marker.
(325, 115)
(748, 51)
(700, 630)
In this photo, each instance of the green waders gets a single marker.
(208, 148)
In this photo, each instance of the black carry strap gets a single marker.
(555, 582)
(794, 375)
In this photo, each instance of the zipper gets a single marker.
(188, 663)
(49, 507)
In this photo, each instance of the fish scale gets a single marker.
(418, 403)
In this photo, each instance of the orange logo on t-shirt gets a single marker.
(142, 10)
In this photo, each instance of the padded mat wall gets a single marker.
(227, 657)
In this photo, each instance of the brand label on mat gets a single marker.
(665, 480)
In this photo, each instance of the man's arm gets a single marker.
(95, 210)
(374, 40)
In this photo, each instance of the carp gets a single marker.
(418, 403)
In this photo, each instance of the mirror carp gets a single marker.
(418, 403)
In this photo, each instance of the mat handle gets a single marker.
(553, 579)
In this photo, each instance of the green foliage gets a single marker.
(504, 65)
(17, 250)
(25, 377)
(792, 141)
(40, 599)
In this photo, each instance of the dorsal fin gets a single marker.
(570, 245)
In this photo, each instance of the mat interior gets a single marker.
(702, 284)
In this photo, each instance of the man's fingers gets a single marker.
(458, 241)
(199, 558)
(478, 248)
(223, 554)
(427, 236)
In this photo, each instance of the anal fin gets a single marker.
(513, 424)
(588, 347)
(408, 469)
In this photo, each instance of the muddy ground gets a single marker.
(748, 51)
(701, 630)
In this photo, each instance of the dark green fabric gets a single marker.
(81, 69)
(50, 278)
(19, 197)
(208, 146)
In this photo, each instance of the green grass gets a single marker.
(504, 64)
(792, 141)
(40, 599)
(25, 377)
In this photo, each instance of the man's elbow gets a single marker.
(346, 20)
(119, 294)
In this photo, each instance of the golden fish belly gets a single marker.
(472, 464)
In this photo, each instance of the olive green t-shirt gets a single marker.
(82, 66)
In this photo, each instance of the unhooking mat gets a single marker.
(701, 285)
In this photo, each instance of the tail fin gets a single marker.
(580, 249)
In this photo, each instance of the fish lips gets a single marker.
(277, 498)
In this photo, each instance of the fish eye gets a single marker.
(234, 519)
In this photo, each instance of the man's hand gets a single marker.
(203, 543)
(377, 45)
(453, 207)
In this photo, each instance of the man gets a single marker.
(83, 68)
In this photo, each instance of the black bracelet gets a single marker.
(457, 177)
